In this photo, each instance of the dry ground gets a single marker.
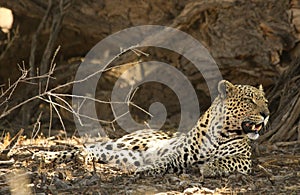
(276, 171)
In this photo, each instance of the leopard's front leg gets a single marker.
(227, 165)
(166, 164)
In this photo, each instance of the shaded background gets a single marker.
(253, 42)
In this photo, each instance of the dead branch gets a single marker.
(49, 94)
(290, 143)
(35, 37)
(55, 28)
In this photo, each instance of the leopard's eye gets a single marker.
(249, 99)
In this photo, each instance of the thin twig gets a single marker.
(138, 107)
(95, 73)
(58, 114)
(36, 126)
(50, 119)
(139, 52)
(51, 69)
(11, 88)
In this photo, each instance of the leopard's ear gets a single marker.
(225, 88)
(260, 87)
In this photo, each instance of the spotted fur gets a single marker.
(218, 144)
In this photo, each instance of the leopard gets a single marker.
(218, 144)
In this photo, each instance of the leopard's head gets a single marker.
(245, 109)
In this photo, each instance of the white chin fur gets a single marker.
(253, 136)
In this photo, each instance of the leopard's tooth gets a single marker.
(259, 127)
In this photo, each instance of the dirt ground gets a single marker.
(276, 170)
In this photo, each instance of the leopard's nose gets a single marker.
(264, 114)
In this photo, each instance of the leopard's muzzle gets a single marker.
(252, 129)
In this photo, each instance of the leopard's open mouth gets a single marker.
(252, 129)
